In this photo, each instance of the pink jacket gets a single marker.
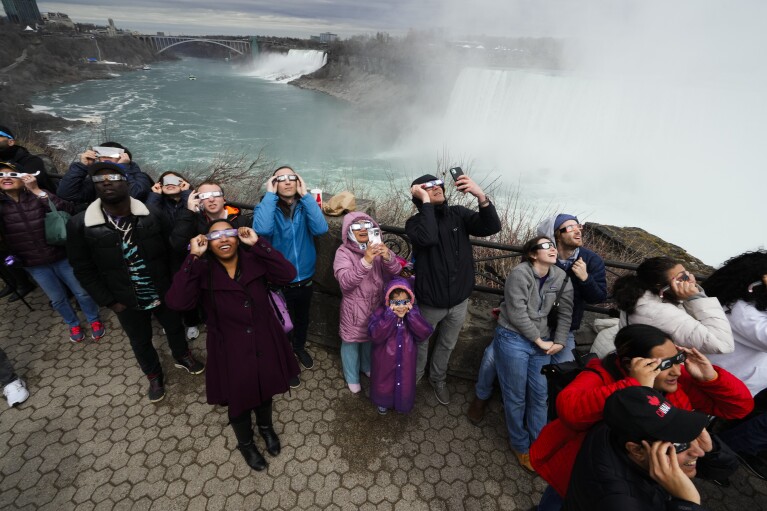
(361, 287)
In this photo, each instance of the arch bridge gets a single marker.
(160, 43)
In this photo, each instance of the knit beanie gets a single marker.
(562, 219)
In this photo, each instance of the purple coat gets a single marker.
(361, 287)
(394, 353)
(249, 355)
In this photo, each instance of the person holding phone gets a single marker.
(77, 187)
(289, 217)
(362, 268)
(664, 294)
(444, 265)
(643, 456)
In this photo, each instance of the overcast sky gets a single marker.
(345, 17)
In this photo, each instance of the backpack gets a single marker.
(559, 376)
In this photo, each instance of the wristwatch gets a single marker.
(485, 202)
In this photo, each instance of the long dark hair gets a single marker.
(638, 341)
(650, 276)
(730, 282)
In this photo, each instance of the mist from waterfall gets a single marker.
(284, 67)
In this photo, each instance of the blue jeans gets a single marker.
(54, 279)
(487, 371)
(550, 500)
(519, 364)
(355, 357)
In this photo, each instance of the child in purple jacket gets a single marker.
(394, 329)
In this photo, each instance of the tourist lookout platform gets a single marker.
(88, 439)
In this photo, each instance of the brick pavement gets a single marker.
(88, 438)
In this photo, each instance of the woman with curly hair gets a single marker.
(740, 285)
(665, 295)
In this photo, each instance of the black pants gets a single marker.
(138, 327)
(263, 415)
(298, 300)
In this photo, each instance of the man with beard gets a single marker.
(289, 217)
(586, 272)
(120, 254)
(444, 265)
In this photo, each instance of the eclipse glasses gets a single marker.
(17, 175)
(399, 303)
(226, 233)
(432, 184)
(285, 177)
(208, 195)
(108, 177)
(358, 226)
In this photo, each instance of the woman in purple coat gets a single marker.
(249, 356)
(394, 329)
(362, 269)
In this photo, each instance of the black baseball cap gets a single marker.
(642, 413)
(105, 165)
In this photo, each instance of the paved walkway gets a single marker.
(88, 438)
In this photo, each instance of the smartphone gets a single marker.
(374, 235)
(456, 172)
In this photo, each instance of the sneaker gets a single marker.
(76, 334)
(16, 392)
(192, 332)
(156, 388)
(354, 387)
(305, 359)
(382, 410)
(441, 392)
(754, 463)
(98, 329)
(189, 363)
(295, 382)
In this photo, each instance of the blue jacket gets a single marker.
(293, 237)
(593, 290)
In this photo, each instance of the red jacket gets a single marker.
(581, 403)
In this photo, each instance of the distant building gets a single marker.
(22, 12)
(314, 38)
(58, 18)
(327, 37)
(161, 34)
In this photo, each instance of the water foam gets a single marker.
(282, 68)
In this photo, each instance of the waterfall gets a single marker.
(282, 68)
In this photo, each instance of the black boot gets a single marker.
(265, 427)
(243, 430)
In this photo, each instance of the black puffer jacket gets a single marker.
(23, 228)
(95, 252)
(604, 479)
(444, 263)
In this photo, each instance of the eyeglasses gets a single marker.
(171, 181)
(208, 195)
(285, 177)
(17, 175)
(108, 177)
(681, 446)
(677, 359)
(358, 226)
(432, 184)
(226, 233)
(570, 228)
(399, 303)
(544, 246)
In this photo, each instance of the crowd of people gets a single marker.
(634, 424)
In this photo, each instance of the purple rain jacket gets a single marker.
(394, 353)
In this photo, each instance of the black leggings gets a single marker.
(263, 415)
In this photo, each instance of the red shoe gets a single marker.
(98, 329)
(76, 334)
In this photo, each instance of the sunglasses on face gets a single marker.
(358, 226)
(677, 359)
(681, 446)
(432, 184)
(571, 228)
(226, 233)
(544, 246)
(171, 181)
(108, 177)
(208, 195)
(17, 175)
(399, 303)
(286, 177)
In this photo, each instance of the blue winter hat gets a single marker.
(562, 218)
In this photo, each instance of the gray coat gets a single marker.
(526, 305)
